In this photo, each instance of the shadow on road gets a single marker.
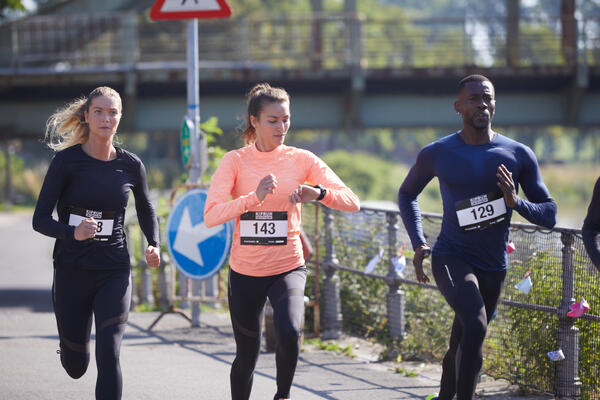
(35, 300)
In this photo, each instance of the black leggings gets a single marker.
(77, 294)
(247, 296)
(473, 295)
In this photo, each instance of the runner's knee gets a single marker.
(289, 338)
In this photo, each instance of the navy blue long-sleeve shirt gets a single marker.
(475, 218)
(591, 226)
(81, 186)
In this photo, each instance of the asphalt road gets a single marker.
(174, 361)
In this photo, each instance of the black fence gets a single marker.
(388, 304)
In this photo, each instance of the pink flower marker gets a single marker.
(578, 309)
(510, 247)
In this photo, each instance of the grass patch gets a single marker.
(331, 346)
(405, 372)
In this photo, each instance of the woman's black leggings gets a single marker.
(473, 295)
(247, 296)
(77, 294)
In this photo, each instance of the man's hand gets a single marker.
(507, 185)
(421, 252)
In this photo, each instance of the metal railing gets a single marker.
(123, 41)
(416, 316)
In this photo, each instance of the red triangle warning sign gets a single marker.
(189, 9)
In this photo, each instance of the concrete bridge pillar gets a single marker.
(568, 31)
(316, 35)
(512, 33)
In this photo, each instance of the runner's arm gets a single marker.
(145, 212)
(337, 195)
(591, 226)
(418, 177)
(54, 182)
(540, 208)
(218, 208)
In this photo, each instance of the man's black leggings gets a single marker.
(77, 294)
(473, 295)
(247, 297)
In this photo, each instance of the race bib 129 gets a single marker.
(264, 228)
(479, 212)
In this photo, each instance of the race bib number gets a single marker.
(264, 228)
(105, 220)
(481, 211)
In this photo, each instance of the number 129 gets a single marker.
(486, 211)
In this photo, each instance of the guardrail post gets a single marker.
(135, 298)
(568, 384)
(163, 275)
(146, 296)
(395, 296)
(332, 312)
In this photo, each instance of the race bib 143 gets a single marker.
(264, 228)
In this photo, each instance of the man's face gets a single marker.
(476, 104)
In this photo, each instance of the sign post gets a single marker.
(197, 141)
(192, 9)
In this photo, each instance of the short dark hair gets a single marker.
(472, 78)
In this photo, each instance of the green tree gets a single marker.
(10, 5)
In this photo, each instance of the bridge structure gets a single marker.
(343, 71)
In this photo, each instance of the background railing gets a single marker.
(322, 41)
(389, 305)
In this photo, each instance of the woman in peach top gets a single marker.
(268, 182)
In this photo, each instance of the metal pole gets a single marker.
(332, 323)
(8, 150)
(197, 142)
(193, 99)
(395, 296)
(568, 383)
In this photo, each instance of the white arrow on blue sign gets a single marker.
(197, 251)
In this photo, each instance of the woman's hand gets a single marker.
(304, 194)
(267, 185)
(86, 229)
(152, 256)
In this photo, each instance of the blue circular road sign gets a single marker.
(197, 251)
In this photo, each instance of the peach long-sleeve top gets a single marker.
(237, 177)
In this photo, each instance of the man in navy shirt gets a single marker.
(479, 171)
(591, 227)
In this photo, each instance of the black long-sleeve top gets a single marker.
(591, 226)
(81, 186)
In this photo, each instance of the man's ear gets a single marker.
(457, 106)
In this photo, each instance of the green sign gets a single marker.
(186, 145)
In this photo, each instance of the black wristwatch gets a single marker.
(323, 191)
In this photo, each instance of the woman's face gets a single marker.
(103, 117)
(272, 125)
